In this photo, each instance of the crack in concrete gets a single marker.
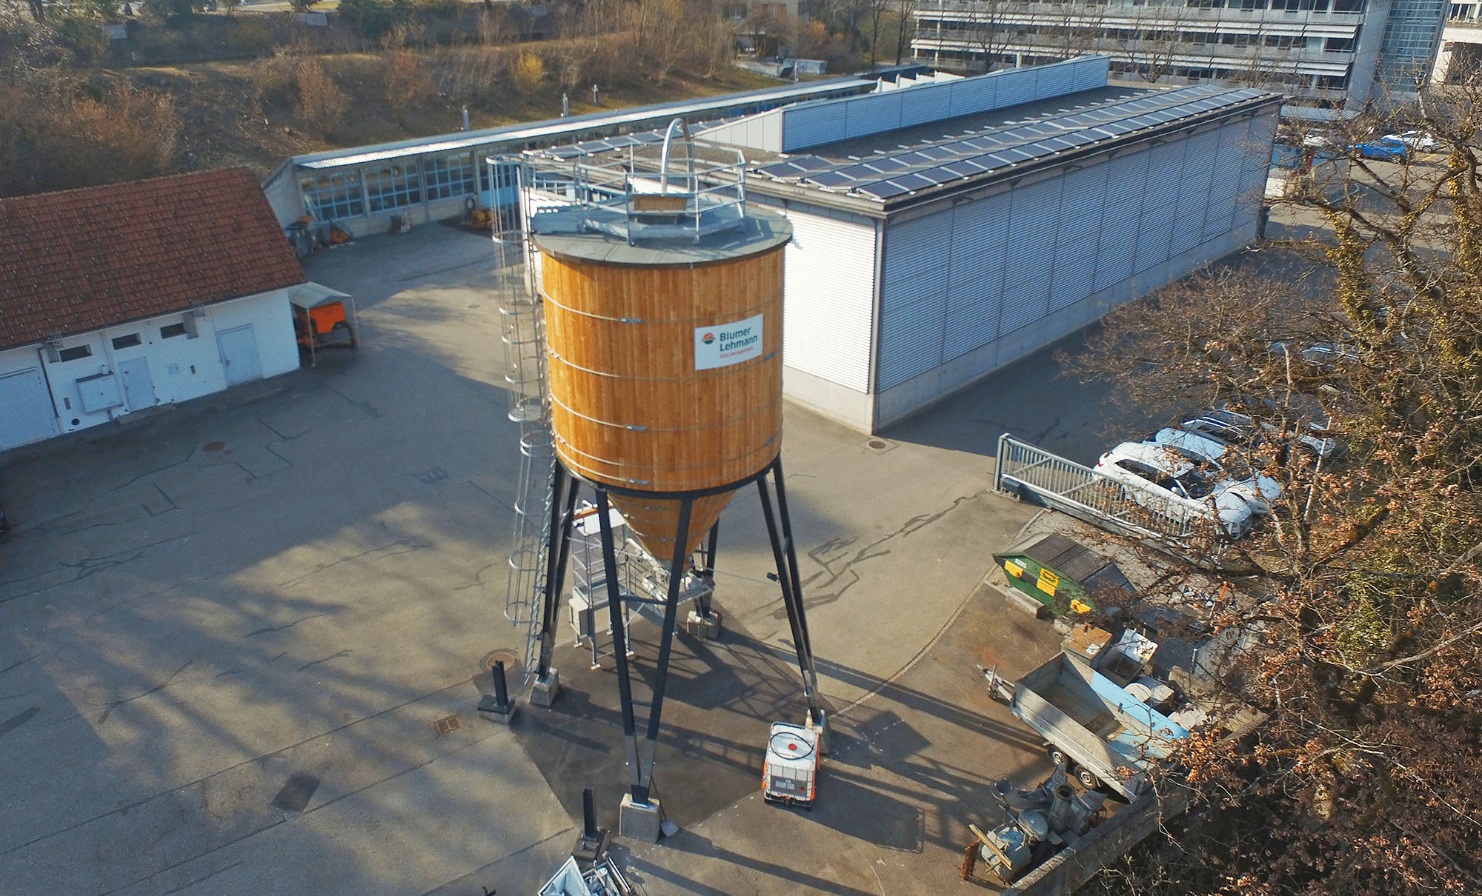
(840, 577)
(20, 662)
(19, 719)
(205, 877)
(168, 500)
(278, 628)
(190, 454)
(281, 437)
(108, 711)
(493, 497)
(366, 407)
(409, 546)
(333, 656)
(475, 582)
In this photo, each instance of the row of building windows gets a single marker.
(1160, 38)
(347, 194)
(128, 340)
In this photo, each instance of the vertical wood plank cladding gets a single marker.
(629, 407)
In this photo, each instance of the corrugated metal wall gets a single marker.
(828, 318)
(956, 280)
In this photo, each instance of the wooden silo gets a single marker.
(666, 367)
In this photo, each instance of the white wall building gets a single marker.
(183, 293)
(1328, 54)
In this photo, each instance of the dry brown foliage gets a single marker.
(60, 133)
(322, 103)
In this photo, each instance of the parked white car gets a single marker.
(1168, 483)
(1417, 141)
(1219, 458)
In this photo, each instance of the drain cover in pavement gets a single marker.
(296, 794)
(448, 724)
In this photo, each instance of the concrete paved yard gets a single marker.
(228, 633)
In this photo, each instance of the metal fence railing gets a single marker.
(1034, 474)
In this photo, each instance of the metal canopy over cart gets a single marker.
(322, 318)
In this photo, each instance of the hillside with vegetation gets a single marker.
(176, 88)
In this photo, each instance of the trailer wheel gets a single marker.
(1087, 779)
(1058, 756)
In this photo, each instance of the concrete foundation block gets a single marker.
(545, 690)
(706, 627)
(640, 821)
(490, 709)
(1025, 603)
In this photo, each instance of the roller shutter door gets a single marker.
(26, 411)
(1160, 199)
(980, 237)
(1117, 239)
(1031, 256)
(913, 298)
(1193, 194)
(828, 318)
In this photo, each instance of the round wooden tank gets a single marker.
(666, 367)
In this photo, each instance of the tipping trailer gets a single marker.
(1101, 714)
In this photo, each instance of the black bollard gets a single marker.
(501, 689)
(588, 814)
(497, 707)
(592, 842)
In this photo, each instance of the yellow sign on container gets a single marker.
(1048, 582)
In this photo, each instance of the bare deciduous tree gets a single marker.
(1366, 646)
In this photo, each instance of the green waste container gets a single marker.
(1060, 573)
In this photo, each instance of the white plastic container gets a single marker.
(790, 772)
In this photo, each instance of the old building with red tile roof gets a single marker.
(121, 297)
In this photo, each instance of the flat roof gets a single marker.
(945, 154)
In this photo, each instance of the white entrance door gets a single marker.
(138, 387)
(28, 414)
(239, 355)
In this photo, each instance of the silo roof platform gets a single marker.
(569, 232)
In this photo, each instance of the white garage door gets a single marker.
(26, 412)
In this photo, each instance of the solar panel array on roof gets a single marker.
(916, 168)
(606, 144)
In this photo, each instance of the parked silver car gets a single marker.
(1167, 482)
(1217, 458)
(1238, 429)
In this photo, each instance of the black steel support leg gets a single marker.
(666, 644)
(558, 549)
(619, 640)
(640, 756)
(708, 573)
(786, 559)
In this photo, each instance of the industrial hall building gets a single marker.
(119, 298)
(1328, 56)
(944, 228)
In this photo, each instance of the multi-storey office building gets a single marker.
(1333, 54)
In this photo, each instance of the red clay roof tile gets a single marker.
(77, 260)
